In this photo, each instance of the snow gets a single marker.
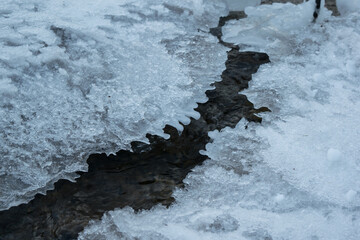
(240, 5)
(220, 202)
(313, 92)
(80, 77)
(296, 175)
(348, 6)
(334, 156)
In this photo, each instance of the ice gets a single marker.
(350, 195)
(348, 6)
(267, 27)
(6, 86)
(296, 175)
(221, 202)
(80, 77)
(240, 5)
(279, 197)
(334, 155)
(313, 92)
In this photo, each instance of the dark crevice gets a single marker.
(142, 178)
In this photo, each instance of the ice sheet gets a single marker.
(295, 176)
(240, 5)
(220, 202)
(313, 92)
(348, 6)
(79, 77)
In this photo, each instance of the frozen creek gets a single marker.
(144, 177)
(303, 160)
(301, 164)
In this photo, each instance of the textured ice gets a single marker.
(220, 202)
(314, 94)
(295, 176)
(240, 5)
(348, 6)
(79, 77)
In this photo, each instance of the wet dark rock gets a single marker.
(331, 5)
(142, 178)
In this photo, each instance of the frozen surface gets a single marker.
(313, 91)
(295, 176)
(240, 5)
(348, 6)
(78, 77)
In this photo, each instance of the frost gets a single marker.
(80, 77)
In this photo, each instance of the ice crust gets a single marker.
(348, 6)
(240, 5)
(79, 77)
(296, 175)
(313, 92)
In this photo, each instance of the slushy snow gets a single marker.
(296, 175)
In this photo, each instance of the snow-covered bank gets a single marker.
(78, 77)
(303, 162)
(314, 93)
